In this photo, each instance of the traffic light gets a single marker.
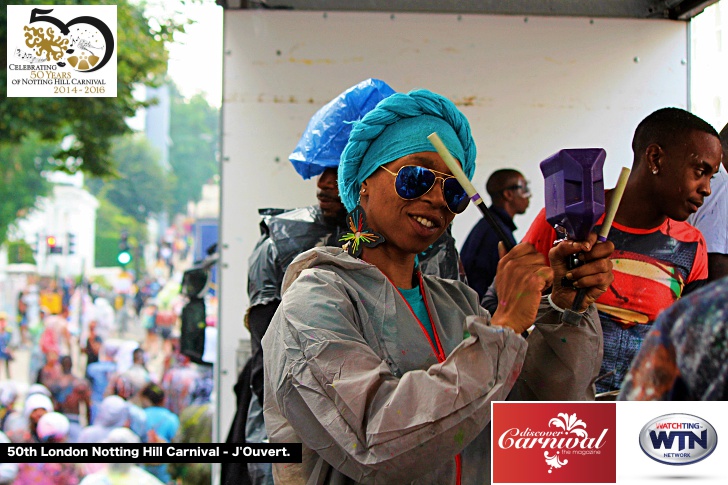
(71, 243)
(52, 244)
(124, 256)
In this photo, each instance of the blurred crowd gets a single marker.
(102, 369)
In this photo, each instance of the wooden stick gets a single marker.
(614, 204)
(455, 169)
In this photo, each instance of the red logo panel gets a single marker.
(566, 442)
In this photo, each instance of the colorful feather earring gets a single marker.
(359, 234)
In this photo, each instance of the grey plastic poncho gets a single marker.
(350, 374)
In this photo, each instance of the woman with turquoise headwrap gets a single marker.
(386, 375)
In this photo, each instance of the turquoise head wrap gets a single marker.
(399, 126)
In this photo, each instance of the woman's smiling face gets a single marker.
(410, 226)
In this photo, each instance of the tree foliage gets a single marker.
(31, 129)
(93, 122)
(21, 179)
(20, 252)
(193, 155)
(142, 188)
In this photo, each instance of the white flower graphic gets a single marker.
(553, 461)
(570, 424)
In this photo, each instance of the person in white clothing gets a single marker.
(712, 217)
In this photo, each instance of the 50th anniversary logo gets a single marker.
(61, 51)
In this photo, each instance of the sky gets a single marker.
(195, 58)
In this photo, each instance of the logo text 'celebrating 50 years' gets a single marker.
(61, 51)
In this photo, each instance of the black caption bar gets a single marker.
(150, 453)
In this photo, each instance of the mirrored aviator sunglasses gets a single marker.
(412, 182)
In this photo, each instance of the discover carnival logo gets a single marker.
(61, 51)
(678, 439)
(573, 442)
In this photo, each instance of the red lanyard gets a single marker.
(436, 345)
(439, 353)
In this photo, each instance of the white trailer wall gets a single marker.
(529, 86)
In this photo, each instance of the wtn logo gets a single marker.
(678, 439)
(665, 439)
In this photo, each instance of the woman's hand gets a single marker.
(595, 275)
(521, 277)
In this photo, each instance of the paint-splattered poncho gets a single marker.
(685, 355)
(350, 374)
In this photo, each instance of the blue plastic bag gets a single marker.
(328, 130)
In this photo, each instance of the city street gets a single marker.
(20, 365)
